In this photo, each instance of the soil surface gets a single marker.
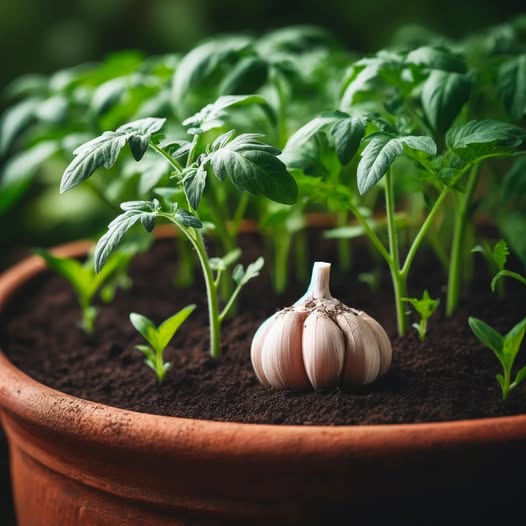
(450, 376)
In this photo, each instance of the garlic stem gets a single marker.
(319, 282)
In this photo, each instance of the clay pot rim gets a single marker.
(26, 399)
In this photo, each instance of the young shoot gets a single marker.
(425, 307)
(505, 349)
(87, 283)
(251, 166)
(158, 338)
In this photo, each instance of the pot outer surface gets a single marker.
(77, 462)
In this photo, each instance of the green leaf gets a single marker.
(14, 120)
(139, 133)
(500, 253)
(253, 167)
(227, 260)
(246, 76)
(146, 328)
(148, 352)
(511, 85)
(502, 382)
(194, 182)
(483, 133)
(443, 95)
(108, 93)
(111, 239)
(520, 377)
(425, 306)
(196, 76)
(187, 219)
(20, 170)
(513, 340)
(73, 271)
(380, 153)
(242, 277)
(436, 58)
(213, 115)
(169, 327)
(487, 335)
(347, 135)
(101, 151)
(104, 150)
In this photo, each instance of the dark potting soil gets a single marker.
(450, 376)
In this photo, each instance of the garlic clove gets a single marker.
(256, 349)
(384, 344)
(323, 349)
(281, 357)
(362, 360)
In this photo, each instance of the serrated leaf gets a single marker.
(213, 115)
(194, 182)
(111, 239)
(443, 95)
(347, 135)
(146, 328)
(511, 85)
(169, 327)
(242, 277)
(148, 221)
(139, 133)
(187, 219)
(500, 253)
(487, 335)
(485, 132)
(295, 148)
(14, 120)
(101, 151)
(380, 153)
(137, 205)
(253, 167)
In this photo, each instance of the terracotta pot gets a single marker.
(75, 462)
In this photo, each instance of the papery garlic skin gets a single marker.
(319, 342)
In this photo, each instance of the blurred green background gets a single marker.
(42, 36)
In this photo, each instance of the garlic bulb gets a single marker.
(319, 342)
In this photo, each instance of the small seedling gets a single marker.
(505, 348)
(158, 338)
(87, 283)
(425, 308)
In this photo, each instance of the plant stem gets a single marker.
(457, 246)
(344, 247)
(282, 243)
(195, 237)
(399, 280)
(174, 163)
(230, 302)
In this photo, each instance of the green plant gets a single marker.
(87, 283)
(249, 164)
(505, 349)
(158, 338)
(425, 307)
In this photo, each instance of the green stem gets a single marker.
(196, 239)
(230, 302)
(419, 238)
(371, 234)
(399, 280)
(174, 163)
(282, 243)
(344, 247)
(457, 245)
